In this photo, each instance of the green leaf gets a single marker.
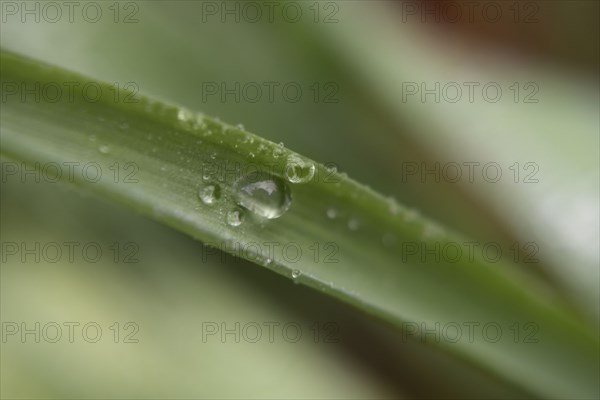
(335, 234)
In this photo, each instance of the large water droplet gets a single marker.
(235, 217)
(299, 171)
(209, 194)
(263, 194)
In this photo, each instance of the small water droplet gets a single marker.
(104, 149)
(432, 231)
(268, 261)
(411, 215)
(332, 169)
(353, 224)
(163, 168)
(235, 217)
(299, 171)
(183, 115)
(296, 274)
(251, 155)
(240, 126)
(331, 213)
(209, 194)
(263, 194)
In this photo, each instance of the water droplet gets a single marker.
(332, 169)
(209, 194)
(268, 261)
(183, 115)
(331, 213)
(353, 224)
(299, 171)
(104, 149)
(411, 215)
(263, 194)
(240, 126)
(432, 231)
(393, 206)
(279, 150)
(251, 155)
(163, 168)
(235, 217)
(296, 274)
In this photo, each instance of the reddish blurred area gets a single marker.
(556, 31)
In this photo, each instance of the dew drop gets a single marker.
(240, 126)
(353, 224)
(235, 217)
(278, 151)
(331, 168)
(331, 213)
(298, 170)
(263, 194)
(183, 115)
(393, 206)
(104, 149)
(296, 274)
(411, 215)
(432, 231)
(209, 194)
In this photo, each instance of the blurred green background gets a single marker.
(366, 51)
